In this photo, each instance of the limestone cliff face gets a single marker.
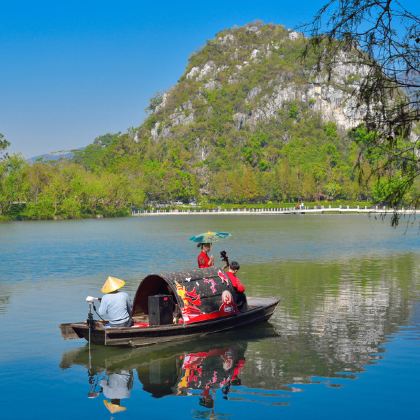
(246, 76)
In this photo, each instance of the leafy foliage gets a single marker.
(383, 37)
(4, 144)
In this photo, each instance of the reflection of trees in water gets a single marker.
(4, 298)
(334, 318)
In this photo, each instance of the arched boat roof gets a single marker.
(198, 289)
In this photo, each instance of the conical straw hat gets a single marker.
(114, 408)
(112, 284)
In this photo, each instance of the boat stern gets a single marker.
(68, 332)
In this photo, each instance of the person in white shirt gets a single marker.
(115, 306)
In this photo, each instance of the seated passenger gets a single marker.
(240, 298)
(203, 259)
(115, 305)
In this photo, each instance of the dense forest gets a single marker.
(205, 141)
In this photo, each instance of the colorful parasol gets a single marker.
(209, 237)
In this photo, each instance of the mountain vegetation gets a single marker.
(249, 121)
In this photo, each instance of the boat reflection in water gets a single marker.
(201, 369)
(196, 373)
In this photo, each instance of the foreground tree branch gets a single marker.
(382, 38)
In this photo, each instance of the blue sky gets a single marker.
(70, 71)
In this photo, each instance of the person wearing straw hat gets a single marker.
(115, 305)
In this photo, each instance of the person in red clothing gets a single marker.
(240, 298)
(203, 259)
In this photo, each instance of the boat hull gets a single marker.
(260, 310)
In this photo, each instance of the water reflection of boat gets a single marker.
(198, 368)
(201, 296)
(204, 370)
(113, 359)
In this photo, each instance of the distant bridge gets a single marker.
(274, 211)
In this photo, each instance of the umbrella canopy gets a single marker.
(209, 237)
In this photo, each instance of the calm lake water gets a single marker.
(343, 343)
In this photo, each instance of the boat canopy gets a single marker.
(201, 294)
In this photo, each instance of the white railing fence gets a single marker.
(308, 210)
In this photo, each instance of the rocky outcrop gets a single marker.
(266, 54)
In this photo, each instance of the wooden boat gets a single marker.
(204, 299)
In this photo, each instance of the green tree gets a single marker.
(4, 144)
(382, 37)
(13, 188)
